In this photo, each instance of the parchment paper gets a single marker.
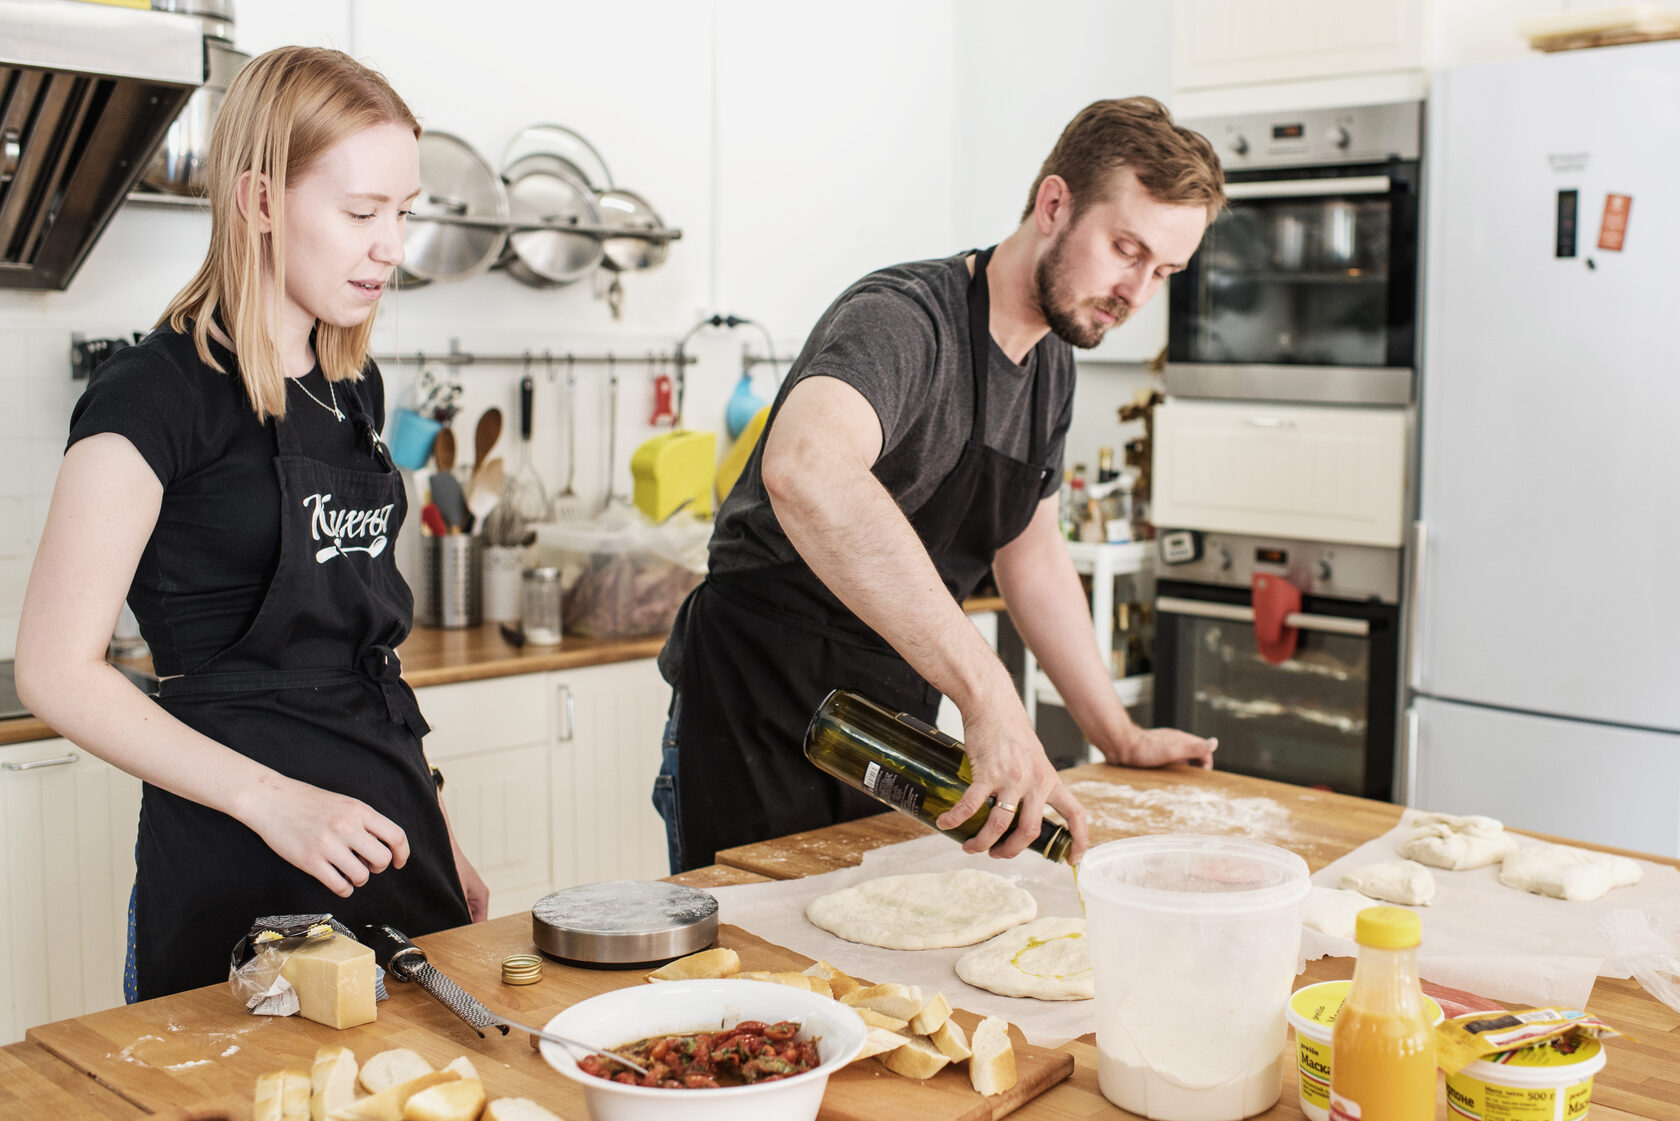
(776, 913)
(1501, 943)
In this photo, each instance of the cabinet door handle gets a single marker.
(566, 708)
(37, 764)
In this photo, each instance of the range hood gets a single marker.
(87, 91)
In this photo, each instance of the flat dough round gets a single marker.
(1046, 959)
(923, 911)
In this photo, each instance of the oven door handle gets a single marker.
(1236, 613)
(1310, 188)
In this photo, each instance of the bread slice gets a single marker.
(875, 1019)
(992, 1067)
(517, 1109)
(839, 983)
(460, 1100)
(719, 961)
(332, 1081)
(890, 999)
(390, 1068)
(951, 1041)
(387, 1105)
(879, 1041)
(916, 1059)
(933, 1013)
(462, 1066)
(281, 1095)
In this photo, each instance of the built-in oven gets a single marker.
(1305, 287)
(1325, 715)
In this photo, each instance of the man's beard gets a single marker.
(1061, 310)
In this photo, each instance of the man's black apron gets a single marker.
(312, 689)
(763, 648)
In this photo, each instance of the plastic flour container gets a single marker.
(1312, 1012)
(1194, 943)
(1550, 1081)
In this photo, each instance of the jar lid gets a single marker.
(1561, 1061)
(542, 572)
(1312, 1009)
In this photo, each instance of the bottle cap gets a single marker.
(1387, 928)
(521, 969)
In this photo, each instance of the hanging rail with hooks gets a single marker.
(558, 358)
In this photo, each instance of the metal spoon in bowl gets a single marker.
(537, 1033)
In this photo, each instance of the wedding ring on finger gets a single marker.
(1008, 807)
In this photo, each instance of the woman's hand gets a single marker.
(339, 840)
(477, 891)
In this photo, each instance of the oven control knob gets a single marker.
(1239, 144)
(1321, 571)
(1338, 137)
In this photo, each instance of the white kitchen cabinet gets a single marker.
(67, 827)
(1103, 563)
(548, 776)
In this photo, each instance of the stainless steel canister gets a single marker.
(451, 581)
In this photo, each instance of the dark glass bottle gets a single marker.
(917, 770)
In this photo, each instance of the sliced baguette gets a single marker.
(719, 961)
(875, 1019)
(281, 1095)
(933, 1013)
(462, 1066)
(460, 1100)
(391, 1068)
(916, 1059)
(839, 983)
(890, 999)
(387, 1105)
(992, 1068)
(518, 1109)
(332, 1081)
(951, 1041)
(879, 1041)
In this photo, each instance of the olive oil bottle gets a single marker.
(917, 770)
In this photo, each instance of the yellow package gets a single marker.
(1479, 1035)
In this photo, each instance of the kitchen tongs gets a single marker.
(405, 961)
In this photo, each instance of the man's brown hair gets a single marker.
(1174, 164)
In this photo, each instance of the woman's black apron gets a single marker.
(763, 648)
(314, 690)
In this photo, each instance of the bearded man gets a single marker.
(915, 445)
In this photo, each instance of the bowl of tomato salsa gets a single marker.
(724, 1050)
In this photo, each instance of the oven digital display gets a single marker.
(1271, 556)
(1288, 132)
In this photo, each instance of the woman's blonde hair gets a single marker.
(282, 112)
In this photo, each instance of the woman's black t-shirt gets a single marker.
(207, 566)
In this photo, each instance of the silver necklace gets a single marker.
(333, 408)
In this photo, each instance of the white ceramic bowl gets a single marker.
(668, 1007)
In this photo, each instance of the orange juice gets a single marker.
(1385, 1053)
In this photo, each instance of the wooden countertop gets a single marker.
(1642, 1079)
(434, 656)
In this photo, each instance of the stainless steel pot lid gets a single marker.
(541, 189)
(626, 209)
(562, 143)
(624, 922)
(455, 182)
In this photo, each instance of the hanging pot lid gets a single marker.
(562, 143)
(540, 188)
(625, 209)
(455, 182)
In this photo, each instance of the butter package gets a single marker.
(1481, 1035)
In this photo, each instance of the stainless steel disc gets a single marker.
(624, 922)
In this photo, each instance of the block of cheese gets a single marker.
(334, 982)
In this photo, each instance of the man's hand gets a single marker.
(1160, 747)
(1009, 763)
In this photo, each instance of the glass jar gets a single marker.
(539, 606)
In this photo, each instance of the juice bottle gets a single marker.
(1382, 1049)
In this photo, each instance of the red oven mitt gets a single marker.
(1274, 600)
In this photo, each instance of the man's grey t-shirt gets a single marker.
(900, 337)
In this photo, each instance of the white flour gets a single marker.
(1124, 811)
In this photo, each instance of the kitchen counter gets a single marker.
(435, 656)
(1639, 1082)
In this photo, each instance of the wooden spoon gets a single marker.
(486, 488)
(444, 449)
(485, 436)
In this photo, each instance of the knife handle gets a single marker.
(392, 950)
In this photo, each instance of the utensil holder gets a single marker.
(504, 565)
(451, 581)
(410, 438)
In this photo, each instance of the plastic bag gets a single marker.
(623, 575)
(1650, 946)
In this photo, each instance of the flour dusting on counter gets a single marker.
(1115, 810)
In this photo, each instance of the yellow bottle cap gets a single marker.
(1387, 928)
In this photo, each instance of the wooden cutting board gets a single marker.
(200, 1050)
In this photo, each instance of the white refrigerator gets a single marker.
(1544, 658)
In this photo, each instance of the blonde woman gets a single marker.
(226, 478)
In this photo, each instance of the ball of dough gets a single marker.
(1394, 881)
(1563, 872)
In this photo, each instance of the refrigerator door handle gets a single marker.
(1415, 674)
(1405, 780)
(1330, 624)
